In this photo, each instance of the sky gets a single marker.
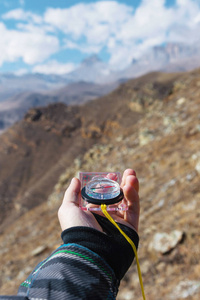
(55, 36)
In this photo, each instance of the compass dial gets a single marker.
(102, 189)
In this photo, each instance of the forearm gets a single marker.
(71, 272)
(89, 265)
(110, 245)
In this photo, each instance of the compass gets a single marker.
(102, 190)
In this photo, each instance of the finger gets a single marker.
(127, 172)
(112, 176)
(132, 197)
(72, 194)
(133, 181)
(131, 189)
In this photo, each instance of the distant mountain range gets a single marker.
(14, 108)
(93, 78)
(172, 57)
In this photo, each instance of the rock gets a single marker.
(145, 266)
(135, 106)
(195, 156)
(181, 101)
(197, 167)
(191, 176)
(189, 206)
(126, 295)
(170, 121)
(39, 250)
(146, 136)
(129, 295)
(169, 184)
(77, 162)
(33, 115)
(185, 289)
(161, 203)
(23, 273)
(161, 266)
(164, 242)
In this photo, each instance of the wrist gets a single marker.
(112, 247)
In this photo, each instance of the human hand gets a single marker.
(70, 215)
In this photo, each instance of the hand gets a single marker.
(70, 215)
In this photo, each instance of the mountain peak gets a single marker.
(91, 60)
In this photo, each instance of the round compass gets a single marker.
(102, 190)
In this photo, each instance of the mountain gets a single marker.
(27, 148)
(150, 124)
(11, 84)
(93, 69)
(171, 57)
(92, 79)
(14, 108)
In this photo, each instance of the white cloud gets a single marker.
(54, 67)
(85, 47)
(35, 28)
(31, 47)
(89, 27)
(21, 15)
(110, 26)
(21, 72)
(153, 24)
(123, 32)
(95, 21)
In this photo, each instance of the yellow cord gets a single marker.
(104, 210)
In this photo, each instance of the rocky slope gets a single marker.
(151, 124)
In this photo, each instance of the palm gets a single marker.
(71, 215)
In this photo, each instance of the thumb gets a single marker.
(73, 192)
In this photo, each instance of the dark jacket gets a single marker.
(89, 265)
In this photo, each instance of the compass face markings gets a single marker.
(101, 189)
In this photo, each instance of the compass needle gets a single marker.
(101, 188)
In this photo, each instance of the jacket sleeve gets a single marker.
(71, 272)
(89, 265)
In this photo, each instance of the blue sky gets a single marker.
(54, 36)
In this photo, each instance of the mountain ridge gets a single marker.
(97, 76)
(14, 108)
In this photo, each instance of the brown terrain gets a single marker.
(13, 109)
(150, 124)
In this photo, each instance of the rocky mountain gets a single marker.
(11, 84)
(93, 69)
(14, 108)
(171, 57)
(150, 124)
(92, 79)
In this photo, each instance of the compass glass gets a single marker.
(101, 187)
